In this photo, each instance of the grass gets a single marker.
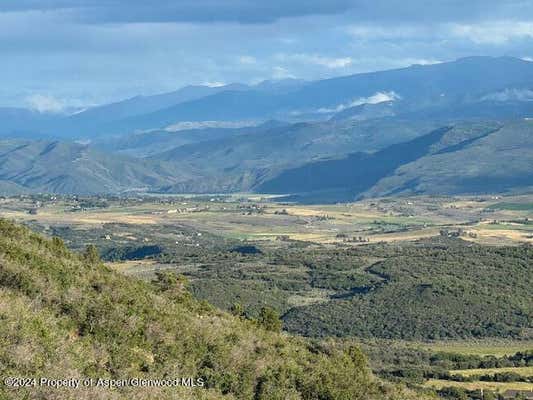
(499, 387)
(523, 371)
(492, 347)
(511, 206)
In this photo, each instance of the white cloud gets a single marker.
(315, 59)
(373, 32)
(422, 61)
(45, 104)
(187, 125)
(511, 94)
(214, 84)
(281, 73)
(247, 60)
(378, 97)
(495, 32)
(331, 62)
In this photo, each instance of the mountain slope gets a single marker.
(60, 167)
(94, 120)
(497, 162)
(465, 81)
(242, 162)
(155, 142)
(330, 161)
(22, 123)
(474, 87)
(68, 316)
(468, 158)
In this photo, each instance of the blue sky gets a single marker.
(59, 54)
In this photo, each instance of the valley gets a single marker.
(431, 278)
(367, 236)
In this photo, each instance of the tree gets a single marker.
(166, 280)
(237, 309)
(91, 254)
(269, 319)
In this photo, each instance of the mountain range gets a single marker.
(456, 127)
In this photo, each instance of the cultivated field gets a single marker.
(488, 220)
(499, 387)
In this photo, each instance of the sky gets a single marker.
(59, 55)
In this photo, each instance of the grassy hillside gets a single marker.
(65, 315)
(497, 162)
(241, 162)
(464, 158)
(63, 167)
(317, 162)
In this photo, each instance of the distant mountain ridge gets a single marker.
(439, 87)
(334, 139)
(479, 158)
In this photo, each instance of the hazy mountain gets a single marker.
(475, 87)
(147, 104)
(358, 131)
(439, 86)
(466, 158)
(241, 162)
(52, 166)
(312, 162)
(20, 122)
(153, 142)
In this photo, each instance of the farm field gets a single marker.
(498, 387)
(523, 371)
(492, 347)
(486, 220)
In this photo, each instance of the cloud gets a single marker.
(281, 73)
(214, 84)
(208, 11)
(259, 12)
(44, 104)
(376, 98)
(187, 125)
(511, 95)
(105, 50)
(247, 60)
(316, 59)
(383, 32)
(494, 32)
(332, 63)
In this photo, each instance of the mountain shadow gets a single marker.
(354, 174)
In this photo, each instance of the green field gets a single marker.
(512, 206)
(498, 387)
(522, 371)
(493, 347)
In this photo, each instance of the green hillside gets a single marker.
(482, 157)
(316, 162)
(437, 288)
(64, 167)
(65, 315)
